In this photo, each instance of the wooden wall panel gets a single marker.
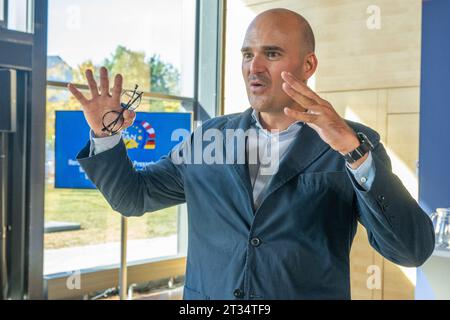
(403, 148)
(396, 284)
(388, 57)
(403, 100)
(361, 257)
(403, 138)
(364, 106)
(378, 293)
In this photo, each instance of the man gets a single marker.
(281, 236)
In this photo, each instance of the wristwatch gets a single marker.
(364, 147)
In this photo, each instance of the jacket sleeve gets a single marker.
(131, 192)
(396, 225)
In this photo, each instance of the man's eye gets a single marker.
(273, 54)
(246, 55)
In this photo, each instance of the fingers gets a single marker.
(301, 88)
(117, 90)
(92, 83)
(301, 116)
(77, 94)
(302, 100)
(104, 82)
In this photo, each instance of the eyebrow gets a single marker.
(265, 48)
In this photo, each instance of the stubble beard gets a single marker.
(267, 106)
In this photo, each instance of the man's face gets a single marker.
(271, 45)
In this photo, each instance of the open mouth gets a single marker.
(256, 84)
(257, 87)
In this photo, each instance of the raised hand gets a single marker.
(320, 116)
(102, 101)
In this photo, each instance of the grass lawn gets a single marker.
(99, 223)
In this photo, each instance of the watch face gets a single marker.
(363, 138)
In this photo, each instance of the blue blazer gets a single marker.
(296, 245)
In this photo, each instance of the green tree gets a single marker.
(79, 73)
(152, 75)
(165, 78)
(133, 67)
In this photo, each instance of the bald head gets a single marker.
(277, 40)
(287, 21)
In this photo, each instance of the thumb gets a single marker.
(129, 117)
(128, 114)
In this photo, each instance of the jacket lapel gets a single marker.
(240, 169)
(306, 148)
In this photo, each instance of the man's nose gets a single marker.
(257, 64)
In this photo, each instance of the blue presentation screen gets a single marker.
(147, 141)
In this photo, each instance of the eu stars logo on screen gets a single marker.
(147, 140)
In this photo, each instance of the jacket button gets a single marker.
(238, 293)
(255, 242)
(381, 198)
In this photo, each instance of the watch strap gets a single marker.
(361, 150)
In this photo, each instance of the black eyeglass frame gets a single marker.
(132, 104)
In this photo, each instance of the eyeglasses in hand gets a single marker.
(113, 120)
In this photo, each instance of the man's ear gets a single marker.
(310, 65)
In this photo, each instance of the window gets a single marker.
(152, 45)
(17, 15)
(2, 13)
